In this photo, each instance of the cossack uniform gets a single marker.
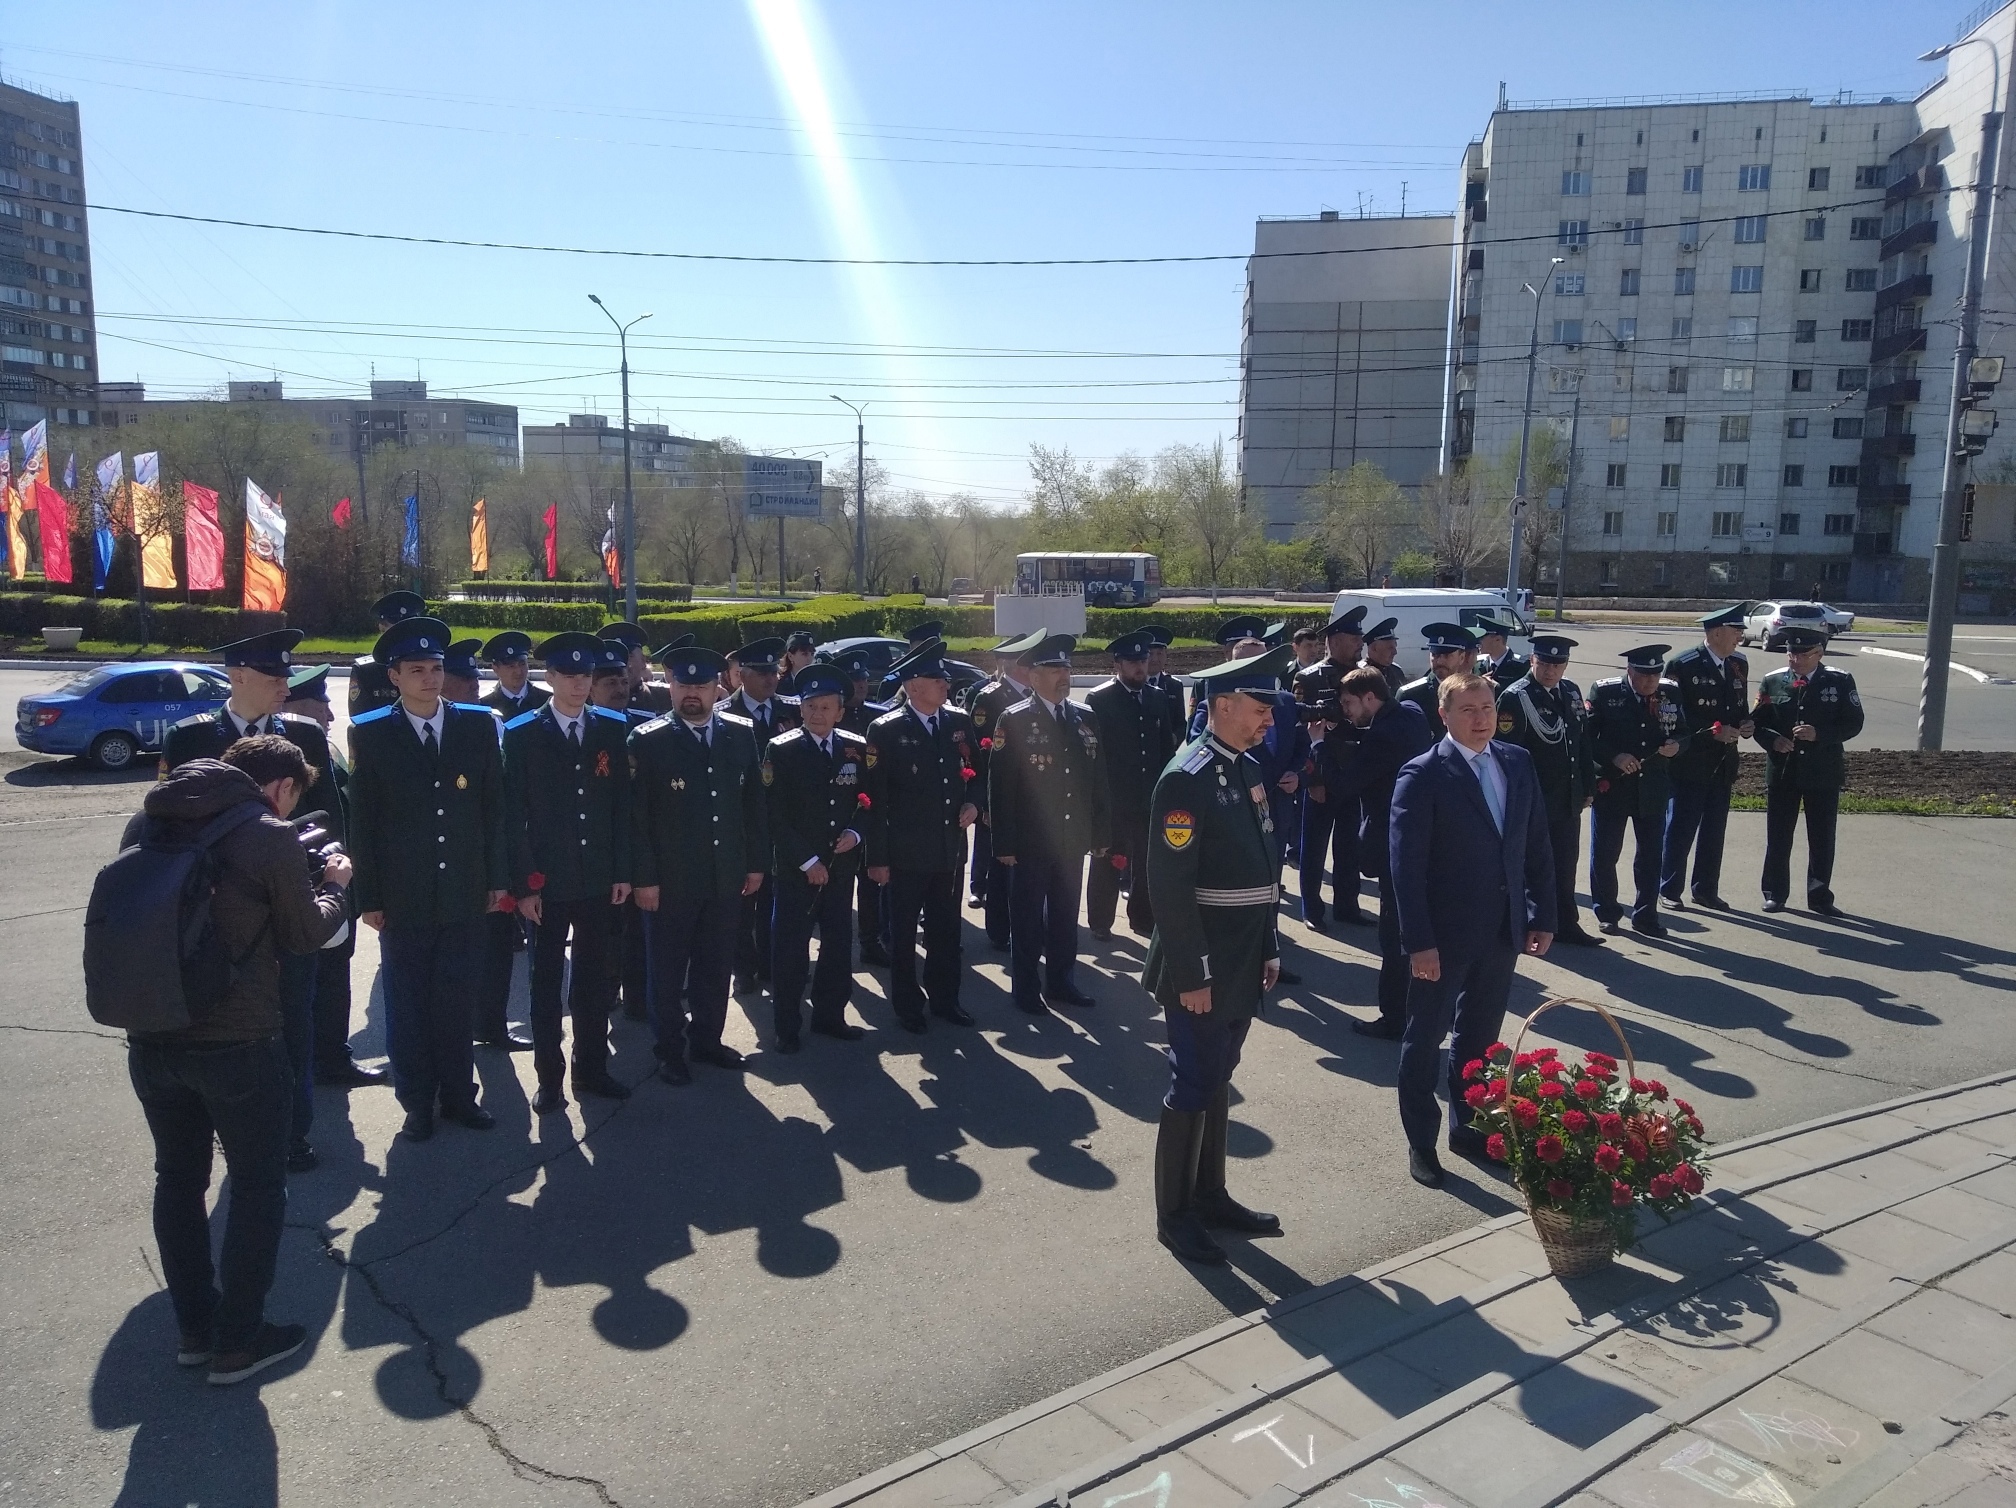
(514, 649)
(1633, 724)
(1715, 696)
(1134, 728)
(992, 885)
(1551, 725)
(1446, 643)
(370, 686)
(767, 717)
(1331, 819)
(1809, 773)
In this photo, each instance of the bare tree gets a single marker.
(935, 526)
(1362, 514)
(1207, 503)
(1464, 530)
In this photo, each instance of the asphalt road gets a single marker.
(753, 1289)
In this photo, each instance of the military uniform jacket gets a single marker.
(917, 781)
(1829, 701)
(567, 810)
(1503, 672)
(1212, 868)
(859, 715)
(535, 697)
(782, 715)
(813, 799)
(1709, 694)
(427, 836)
(208, 734)
(1620, 722)
(1553, 727)
(1171, 688)
(1134, 729)
(989, 703)
(699, 821)
(654, 697)
(1047, 786)
(1318, 683)
(1425, 693)
(370, 686)
(1395, 676)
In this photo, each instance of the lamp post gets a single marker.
(1526, 439)
(629, 497)
(860, 492)
(1943, 596)
(1567, 511)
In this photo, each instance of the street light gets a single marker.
(1526, 437)
(860, 492)
(1943, 597)
(629, 498)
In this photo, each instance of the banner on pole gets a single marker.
(55, 513)
(479, 539)
(552, 541)
(202, 539)
(409, 548)
(150, 524)
(265, 552)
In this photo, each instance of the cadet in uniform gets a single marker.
(646, 694)
(1495, 662)
(1134, 729)
(701, 839)
(768, 714)
(1212, 868)
(1330, 821)
(1543, 713)
(813, 774)
(1048, 795)
(568, 832)
(427, 834)
(610, 687)
(461, 681)
(1713, 678)
(369, 685)
(870, 898)
(1805, 713)
(924, 791)
(510, 657)
(1160, 678)
(1382, 646)
(1451, 648)
(1635, 728)
(988, 705)
(503, 932)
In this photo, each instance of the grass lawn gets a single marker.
(1853, 804)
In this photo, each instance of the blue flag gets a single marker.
(70, 472)
(101, 542)
(409, 552)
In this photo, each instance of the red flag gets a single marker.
(552, 541)
(202, 538)
(340, 514)
(55, 515)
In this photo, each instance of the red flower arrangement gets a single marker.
(862, 801)
(1582, 1140)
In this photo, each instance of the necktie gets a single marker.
(427, 743)
(574, 734)
(931, 727)
(1493, 797)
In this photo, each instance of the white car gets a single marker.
(1766, 618)
(1417, 607)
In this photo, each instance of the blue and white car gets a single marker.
(113, 714)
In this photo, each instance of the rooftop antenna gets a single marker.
(1403, 198)
(1501, 94)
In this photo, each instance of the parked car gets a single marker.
(113, 714)
(1765, 619)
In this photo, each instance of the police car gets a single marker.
(115, 713)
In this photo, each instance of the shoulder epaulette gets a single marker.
(609, 712)
(362, 660)
(789, 735)
(1608, 680)
(520, 720)
(374, 715)
(661, 720)
(883, 717)
(1197, 758)
(200, 717)
(736, 719)
(846, 735)
(1027, 701)
(476, 707)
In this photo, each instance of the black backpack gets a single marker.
(152, 904)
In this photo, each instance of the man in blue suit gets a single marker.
(1473, 874)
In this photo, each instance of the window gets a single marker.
(1620, 377)
(1848, 429)
(1726, 525)
(1857, 329)
(1850, 379)
(1746, 279)
(1662, 573)
(1838, 523)
(1865, 228)
(1608, 576)
(1809, 280)
(1718, 573)
(1816, 178)
(1573, 233)
(1690, 180)
(1568, 284)
(1567, 332)
(1788, 523)
(1634, 232)
(1738, 379)
(1802, 379)
(1683, 281)
(1613, 474)
(1690, 234)
(1742, 328)
(1795, 429)
(1676, 428)
(1816, 227)
(1750, 229)
(1754, 178)
(1634, 180)
(1805, 331)
(1734, 430)
(1795, 476)
(1676, 379)
(1844, 476)
(1786, 571)
(1871, 177)
(1575, 183)
(1860, 280)
(1627, 283)
(1669, 525)
(1669, 475)
(1835, 572)
(1627, 328)
(1620, 426)
(1732, 474)
(1613, 523)
(1682, 327)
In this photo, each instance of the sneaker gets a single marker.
(273, 1344)
(193, 1351)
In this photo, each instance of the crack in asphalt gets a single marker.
(62, 1031)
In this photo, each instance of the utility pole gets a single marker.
(1567, 510)
(1945, 584)
(860, 493)
(1525, 440)
(629, 497)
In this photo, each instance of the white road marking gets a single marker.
(1899, 654)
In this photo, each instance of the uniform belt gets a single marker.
(1255, 895)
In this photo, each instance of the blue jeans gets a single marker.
(298, 975)
(236, 1093)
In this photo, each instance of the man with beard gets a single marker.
(1134, 726)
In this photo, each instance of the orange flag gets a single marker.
(479, 540)
(265, 552)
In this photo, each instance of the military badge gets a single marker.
(602, 763)
(1178, 828)
(769, 775)
(461, 782)
(870, 756)
(1504, 722)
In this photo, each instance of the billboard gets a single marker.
(781, 487)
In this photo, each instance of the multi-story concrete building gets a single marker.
(1341, 350)
(1754, 298)
(587, 441)
(396, 413)
(48, 335)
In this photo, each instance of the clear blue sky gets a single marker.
(1036, 129)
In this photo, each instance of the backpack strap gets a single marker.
(229, 821)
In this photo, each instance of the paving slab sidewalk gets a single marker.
(1833, 1325)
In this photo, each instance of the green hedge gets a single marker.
(574, 591)
(533, 617)
(25, 614)
(1105, 623)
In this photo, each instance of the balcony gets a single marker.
(1904, 291)
(1884, 447)
(1923, 233)
(1872, 546)
(1896, 343)
(1888, 393)
(1883, 495)
(1929, 180)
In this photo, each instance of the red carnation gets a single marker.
(1639, 1086)
(1575, 1122)
(1119, 861)
(1476, 1095)
(862, 801)
(1658, 1090)
(1683, 1107)
(1661, 1186)
(1608, 1158)
(1497, 1052)
(1620, 1193)
(1549, 1069)
(1499, 1089)
(535, 881)
(966, 774)
(1550, 1090)
(1689, 1178)
(1635, 1147)
(1526, 1113)
(1588, 1089)
(1601, 1060)
(1524, 1060)
(1610, 1123)
(1494, 1146)
(986, 743)
(1550, 1149)
(1602, 785)
(1694, 1125)
(1560, 1190)
(1474, 1069)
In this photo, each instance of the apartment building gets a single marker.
(48, 336)
(398, 413)
(587, 441)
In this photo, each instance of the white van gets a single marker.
(1417, 607)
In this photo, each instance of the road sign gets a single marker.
(781, 487)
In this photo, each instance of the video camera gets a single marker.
(316, 840)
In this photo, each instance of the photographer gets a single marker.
(226, 1076)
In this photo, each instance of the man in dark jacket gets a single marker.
(1636, 727)
(1134, 726)
(1805, 715)
(1544, 714)
(1714, 682)
(1452, 650)
(510, 657)
(225, 1078)
(993, 885)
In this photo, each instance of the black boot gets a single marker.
(1209, 1200)
(1176, 1225)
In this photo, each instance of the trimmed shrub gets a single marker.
(24, 614)
(572, 591)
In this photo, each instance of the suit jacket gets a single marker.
(1046, 786)
(427, 836)
(208, 734)
(1458, 881)
(567, 811)
(1397, 733)
(1134, 730)
(700, 824)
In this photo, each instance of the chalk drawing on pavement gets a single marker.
(1728, 1475)
(1154, 1495)
(1405, 1495)
(1287, 1450)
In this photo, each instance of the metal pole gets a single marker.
(629, 496)
(1567, 507)
(780, 556)
(420, 540)
(860, 493)
(1525, 441)
(1945, 583)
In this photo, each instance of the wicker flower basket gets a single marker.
(1575, 1244)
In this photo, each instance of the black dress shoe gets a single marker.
(1069, 995)
(958, 1015)
(603, 1087)
(1103, 936)
(675, 1072)
(471, 1117)
(876, 954)
(840, 1031)
(301, 1158)
(1613, 926)
(915, 1025)
(1649, 927)
(419, 1125)
(1580, 939)
(998, 944)
(976, 902)
(1468, 1143)
(1713, 903)
(352, 1075)
(721, 1055)
(1825, 908)
(1185, 1235)
(1032, 1007)
(1316, 923)
(789, 1045)
(1423, 1168)
(549, 1100)
(1356, 917)
(509, 1042)
(1379, 1029)
(1773, 905)
(1673, 900)
(1219, 1210)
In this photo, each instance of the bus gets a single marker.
(1108, 578)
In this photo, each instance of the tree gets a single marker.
(1207, 504)
(1362, 513)
(1546, 469)
(935, 528)
(1464, 529)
